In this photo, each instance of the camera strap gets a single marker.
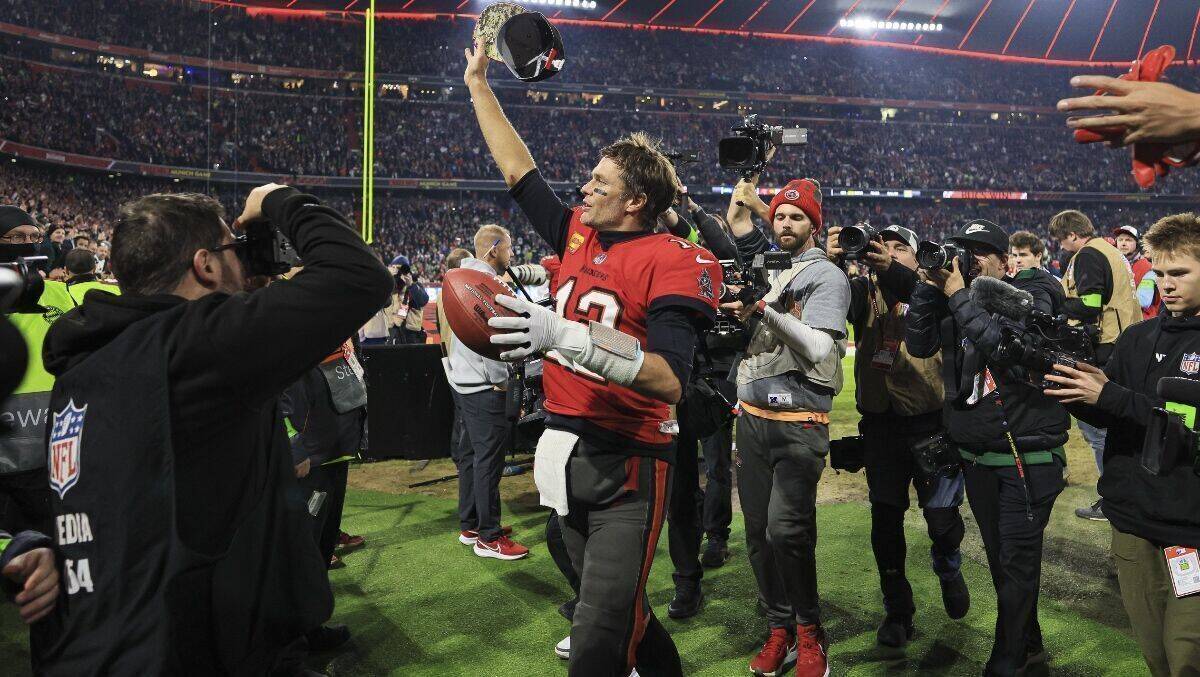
(1012, 445)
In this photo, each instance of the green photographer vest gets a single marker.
(886, 376)
(26, 411)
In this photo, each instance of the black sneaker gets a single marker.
(687, 603)
(956, 598)
(327, 637)
(715, 554)
(895, 631)
(1094, 513)
(567, 609)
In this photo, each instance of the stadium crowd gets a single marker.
(665, 58)
(319, 136)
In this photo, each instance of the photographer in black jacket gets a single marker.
(1010, 433)
(900, 399)
(1151, 514)
(188, 548)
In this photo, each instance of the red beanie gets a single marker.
(803, 193)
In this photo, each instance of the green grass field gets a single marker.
(421, 604)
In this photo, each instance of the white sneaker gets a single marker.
(563, 648)
(634, 673)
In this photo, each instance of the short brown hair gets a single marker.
(1071, 221)
(156, 237)
(645, 171)
(455, 258)
(1175, 234)
(1023, 239)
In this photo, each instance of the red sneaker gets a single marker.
(501, 548)
(469, 536)
(769, 662)
(348, 542)
(812, 652)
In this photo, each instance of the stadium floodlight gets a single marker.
(869, 24)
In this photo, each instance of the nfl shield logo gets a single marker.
(65, 435)
(1190, 364)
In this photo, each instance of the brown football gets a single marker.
(469, 299)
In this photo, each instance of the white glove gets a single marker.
(538, 330)
(603, 351)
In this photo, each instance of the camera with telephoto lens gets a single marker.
(1044, 341)
(941, 256)
(855, 240)
(265, 251)
(22, 285)
(746, 151)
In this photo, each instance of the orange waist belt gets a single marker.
(790, 416)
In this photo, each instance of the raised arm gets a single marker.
(508, 150)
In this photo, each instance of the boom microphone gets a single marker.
(1001, 298)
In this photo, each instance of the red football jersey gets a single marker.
(617, 288)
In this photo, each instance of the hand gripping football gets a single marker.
(469, 301)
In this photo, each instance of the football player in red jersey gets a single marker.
(629, 304)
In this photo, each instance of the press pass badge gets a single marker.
(779, 399)
(315, 502)
(1184, 564)
(886, 355)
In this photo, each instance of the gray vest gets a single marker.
(767, 356)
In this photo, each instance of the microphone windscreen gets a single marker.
(997, 296)
(1179, 389)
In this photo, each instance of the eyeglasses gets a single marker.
(37, 238)
(240, 242)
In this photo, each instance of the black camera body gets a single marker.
(855, 240)
(1047, 340)
(941, 256)
(746, 151)
(754, 281)
(21, 285)
(265, 250)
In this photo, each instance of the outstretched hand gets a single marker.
(477, 65)
(1148, 111)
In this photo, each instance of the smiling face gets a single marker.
(793, 229)
(605, 203)
(1178, 282)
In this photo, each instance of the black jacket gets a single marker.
(232, 356)
(969, 337)
(1165, 510)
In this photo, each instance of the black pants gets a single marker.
(25, 502)
(327, 525)
(779, 465)
(685, 528)
(612, 546)
(558, 551)
(887, 444)
(718, 492)
(1014, 552)
(479, 457)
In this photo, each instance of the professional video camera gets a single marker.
(854, 240)
(746, 151)
(264, 250)
(1043, 341)
(22, 289)
(1047, 340)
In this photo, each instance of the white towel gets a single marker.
(550, 467)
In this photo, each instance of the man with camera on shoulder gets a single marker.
(186, 542)
(1009, 434)
(1151, 482)
(899, 397)
(786, 381)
